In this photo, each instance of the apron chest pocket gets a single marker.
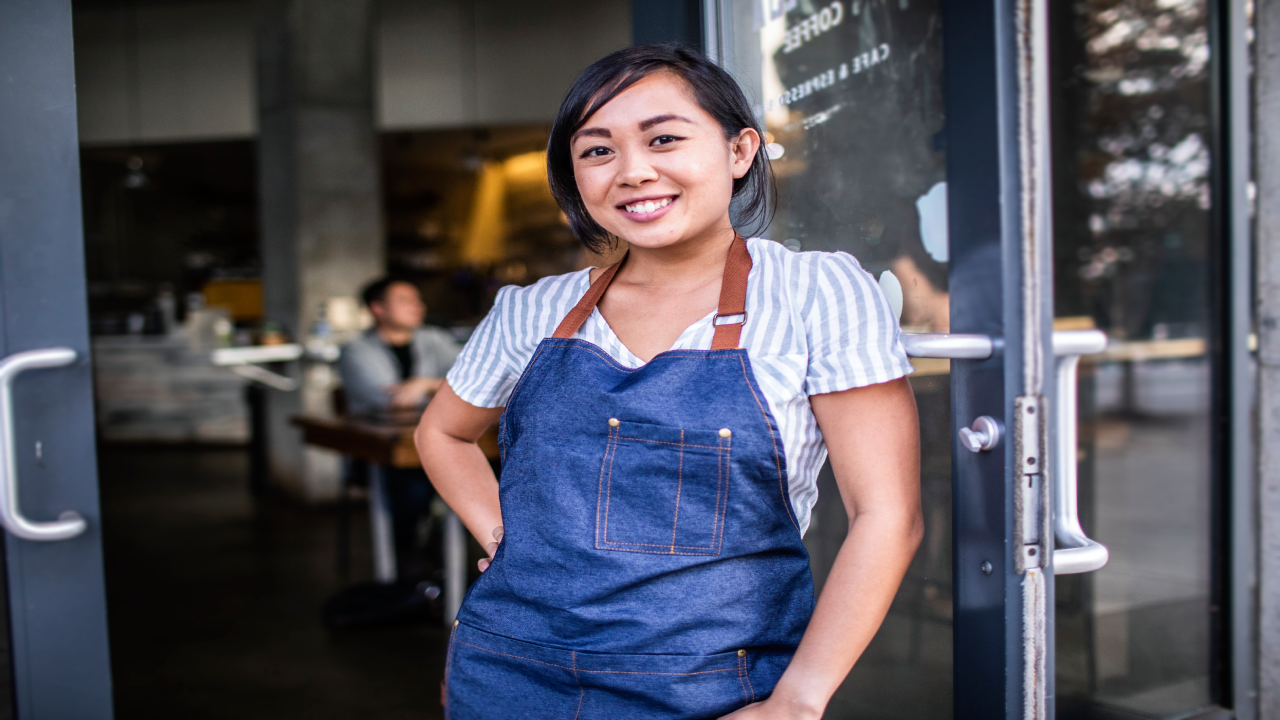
(663, 490)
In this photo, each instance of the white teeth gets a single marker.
(648, 206)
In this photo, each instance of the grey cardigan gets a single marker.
(368, 367)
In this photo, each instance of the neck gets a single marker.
(394, 335)
(691, 261)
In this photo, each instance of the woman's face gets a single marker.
(655, 169)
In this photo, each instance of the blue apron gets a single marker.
(651, 565)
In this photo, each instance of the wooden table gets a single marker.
(387, 442)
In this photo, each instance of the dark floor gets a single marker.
(214, 601)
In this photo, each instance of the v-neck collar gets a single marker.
(632, 360)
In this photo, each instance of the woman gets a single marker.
(664, 426)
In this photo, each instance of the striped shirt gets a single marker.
(816, 323)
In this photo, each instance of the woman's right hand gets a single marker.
(446, 438)
(491, 548)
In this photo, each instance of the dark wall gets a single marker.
(667, 20)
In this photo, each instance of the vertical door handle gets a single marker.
(69, 524)
(1077, 553)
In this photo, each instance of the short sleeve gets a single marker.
(487, 369)
(854, 338)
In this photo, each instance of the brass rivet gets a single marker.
(455, 623)
(742, 653)
(614, 422)
(725, 432)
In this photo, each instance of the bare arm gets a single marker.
(446, 440)
(873, 436)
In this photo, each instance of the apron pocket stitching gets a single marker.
(593, 672)
(602, 492)
(636, 672)
(715, 542)
(722, 488)
(668, 442)
(582, 691)
(518, 657)
(746, 675)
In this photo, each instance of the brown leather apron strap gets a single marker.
(580, 312)
(733, 297)
(732, 305)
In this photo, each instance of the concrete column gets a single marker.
(321, 208)
(1267, 174)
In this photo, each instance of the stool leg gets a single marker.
(344, 525)
(455, 566)
(384, 550)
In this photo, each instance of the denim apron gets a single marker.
(651, 565)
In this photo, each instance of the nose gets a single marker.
(635, 170)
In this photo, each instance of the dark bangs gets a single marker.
(714, 90)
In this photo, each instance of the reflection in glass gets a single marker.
(851, 98)
(1133, 258)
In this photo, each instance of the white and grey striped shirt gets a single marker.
(816, 323)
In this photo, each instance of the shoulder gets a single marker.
(362, 344)
(432, 335)
(549, 293)
(807, 274)
(522, 316)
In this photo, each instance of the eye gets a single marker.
(596, 151)
(665, 140)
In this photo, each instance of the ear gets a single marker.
(743, 151)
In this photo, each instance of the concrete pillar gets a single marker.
(321, 208)
(1267, 174)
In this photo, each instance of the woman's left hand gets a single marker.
(767, 710)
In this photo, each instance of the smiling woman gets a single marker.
(712, 104)
(663, 423)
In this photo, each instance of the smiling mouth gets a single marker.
(648, 206)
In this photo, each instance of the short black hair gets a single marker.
(714, 90)
(376, 291)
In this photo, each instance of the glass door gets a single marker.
(1137, 255)
(916, 135)
(850, 94)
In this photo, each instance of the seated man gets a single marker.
(397, 364)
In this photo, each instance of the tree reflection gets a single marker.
(1133, 161)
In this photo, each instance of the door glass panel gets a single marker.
(850, 94)
(1133, 258)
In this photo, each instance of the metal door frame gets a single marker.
(1233, 151)
(57, 609)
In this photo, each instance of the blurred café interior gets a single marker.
(247, 167)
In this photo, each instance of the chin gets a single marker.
(650, 242)
(653, 236)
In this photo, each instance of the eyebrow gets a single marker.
(644, 125)
(592, 132)
(659, 119)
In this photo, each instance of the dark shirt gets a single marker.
(404, 357)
